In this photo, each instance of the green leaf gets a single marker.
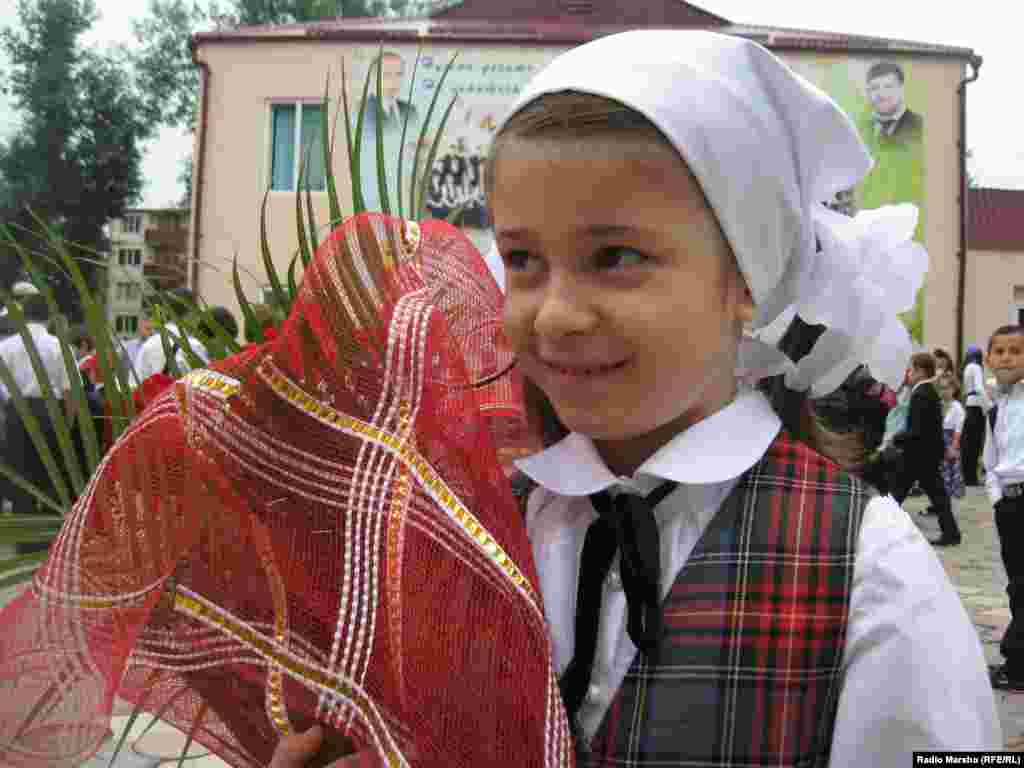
(191, 733)
(405, 127)
(243, 302)
(414, 205)
(382, 175)
(147, 691)
(159, 714)
(456, 214)
(314, 246)
(28, 418)
(268, 262)
(98, 328)
(35, 491)
(422, 207)
(300, 225)
(56, 412)
(20, 568)
(84, 416)
(328, 147)
(16, 529)
(359, 202)
(293, 287)
(70, 365)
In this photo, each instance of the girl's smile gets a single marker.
(623, 303)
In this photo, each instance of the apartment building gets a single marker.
(148, 252)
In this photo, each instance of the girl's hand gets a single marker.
(952, 454)
(302, 749)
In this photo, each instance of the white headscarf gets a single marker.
(768, 148)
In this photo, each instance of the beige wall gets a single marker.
(995, 290)
(246, 78)
(942, 192)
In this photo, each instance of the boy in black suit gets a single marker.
(923, 448)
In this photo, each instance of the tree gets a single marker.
(164, 63)
(76, 160)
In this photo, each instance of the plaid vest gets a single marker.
(748, 671)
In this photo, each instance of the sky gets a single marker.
(994, 122)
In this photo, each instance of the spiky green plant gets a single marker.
(69, 474)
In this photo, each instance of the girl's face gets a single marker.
(623, 300)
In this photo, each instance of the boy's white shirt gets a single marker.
(974, 381)
(909, 641)
(1004, 446)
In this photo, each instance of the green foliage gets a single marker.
(163, 62)
(76, 162)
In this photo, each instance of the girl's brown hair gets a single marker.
(950, 380)
(571, 116)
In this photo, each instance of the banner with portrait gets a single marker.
(888, 106)
(484, 82)
(880, 95)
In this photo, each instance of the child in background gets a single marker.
(1004, 480)
(976, 403)
(923, 448)
(943, 362)
(952, 426)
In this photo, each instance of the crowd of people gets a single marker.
(143, 357)
(710, 564)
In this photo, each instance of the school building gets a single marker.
(262, 88)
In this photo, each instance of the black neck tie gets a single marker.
(626, 525)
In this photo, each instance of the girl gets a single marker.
(952, 427)
(718, 589)
(977, 404)
(943, 362)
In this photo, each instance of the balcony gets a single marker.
(168, 239)
(166, 274)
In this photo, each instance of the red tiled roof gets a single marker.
(563, 22)
(995, 219)
(785, 38)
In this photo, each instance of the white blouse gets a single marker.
(954, 418)
(974, 387)
(909, 641)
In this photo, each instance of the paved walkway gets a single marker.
(974, 568)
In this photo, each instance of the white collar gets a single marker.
(719, 448)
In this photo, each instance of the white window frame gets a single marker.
(126, 324)
(296, 143)
(133, 223)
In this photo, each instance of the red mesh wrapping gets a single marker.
(318, 530)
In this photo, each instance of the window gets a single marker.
(296, 133)
(129, 257)
(133, 223)
(126, 323)
(128, 291)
